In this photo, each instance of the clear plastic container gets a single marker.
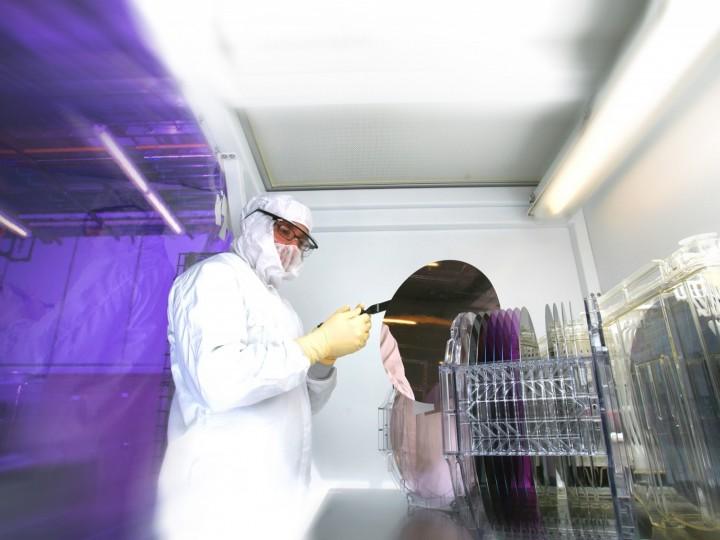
(543, 407)
(527, 437)
(410, 435)
(662, 329)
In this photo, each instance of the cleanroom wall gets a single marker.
(370, 242)
(668, 190)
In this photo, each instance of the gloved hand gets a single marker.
(329, 361)
(344, 332)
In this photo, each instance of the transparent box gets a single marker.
(542, 407)
(662, 330)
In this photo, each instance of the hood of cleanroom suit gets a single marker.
(239, 433)
(256, 244)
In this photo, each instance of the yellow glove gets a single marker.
(330, 361)
(345, 332)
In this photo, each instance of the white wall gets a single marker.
(669, 190)
(370, 242)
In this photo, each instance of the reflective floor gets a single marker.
(354, 514)
(385, 515)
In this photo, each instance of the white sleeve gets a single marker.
(321, 382)
(210, 323)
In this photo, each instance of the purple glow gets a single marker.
(84, 385)
(83, 379)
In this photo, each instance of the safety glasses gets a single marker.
(289, 231)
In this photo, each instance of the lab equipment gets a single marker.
(525, 435)
(662, 327)
(518, 431)
(605, 428)
(418, 319)
(377, 308)
(421, 312)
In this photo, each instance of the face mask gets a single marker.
(290, 256)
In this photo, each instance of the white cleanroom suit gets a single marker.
(239, 434)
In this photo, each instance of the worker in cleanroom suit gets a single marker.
(246, 383)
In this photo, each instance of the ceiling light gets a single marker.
(14, 226)
(676, 38)
(136, 177)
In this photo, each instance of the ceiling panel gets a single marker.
(527, 75)
(394, 145)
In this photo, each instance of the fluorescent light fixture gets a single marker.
(676, 38)
(123, 162)
(154, 200)
(139, 181)
(13, 226)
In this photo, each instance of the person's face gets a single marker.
(284, 234)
